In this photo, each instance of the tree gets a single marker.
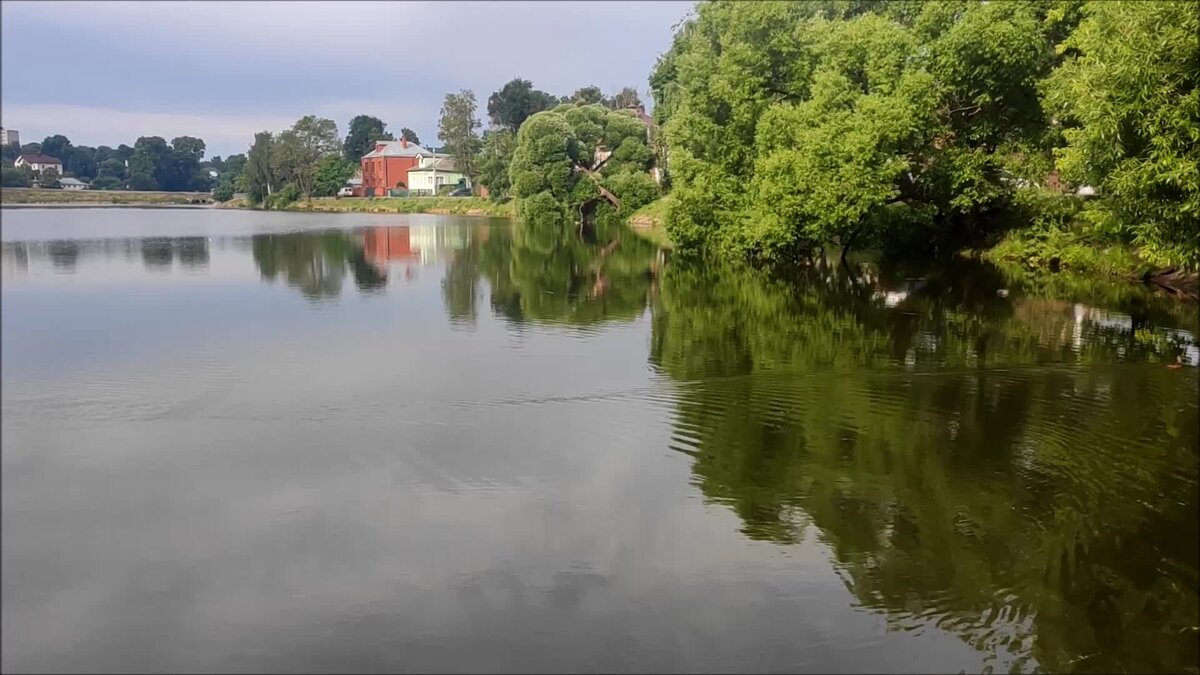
(361, 136)
(58, 146)
(15, 177)
(10, 152)
(185, 172)
(458, 132)
(258, 175)
(1130, 105)
(409, 135)
(299, 150)
(332, 173)
(31, 149)
(626, 98)
(498, 147)
(515, 102)
(48, 178)
(81, 162)
(152, 165)
(863, 122)
(584, 163)
(587, 95)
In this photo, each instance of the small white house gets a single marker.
(72, 184)
(39, 162)
(432, 172)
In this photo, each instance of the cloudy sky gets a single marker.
(104, 73)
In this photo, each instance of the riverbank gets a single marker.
(10, 196)
(442, 206)
(649, 222)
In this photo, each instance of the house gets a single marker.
(9, 136)
(72, 184)
(39, 162)
(387, 166)
(432, 172)
(639, 111)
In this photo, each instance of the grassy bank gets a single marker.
(452, 206)
(37, 196)
(649, 221)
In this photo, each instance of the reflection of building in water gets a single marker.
(414, 245)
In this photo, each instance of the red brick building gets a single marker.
(386, 167)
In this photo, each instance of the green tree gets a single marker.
(299, 150)
(81, 162)
(494, 161)
(185, 172)
(458, 130)
(10, 153)
(31, 149)
(258, 176)
(332, 174)
(151, 165)
(409, 135)
(361, 136)
(1129, 103)
(584, 163)
(626, 98)
(16, 177)
(515, 102)
(587, 95)
(48, 178)
(58, 146)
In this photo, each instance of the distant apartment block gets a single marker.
(9, 136)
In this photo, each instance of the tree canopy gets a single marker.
(791, 126)
(458, 129)
(361, 135)
(579, 162)
(515, 102)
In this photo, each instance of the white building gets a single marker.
(9, 136)
(432, 172)
(39, 163)
(72, 184)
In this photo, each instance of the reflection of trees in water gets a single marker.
(192, 252)
(553, 275)
(316, 262)
(1042, 511)
(64, 255)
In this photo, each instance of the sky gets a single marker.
(104, 73)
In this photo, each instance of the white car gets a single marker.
(346, 192)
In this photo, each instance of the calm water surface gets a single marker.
(240, 441)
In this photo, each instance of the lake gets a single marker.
(241, 441)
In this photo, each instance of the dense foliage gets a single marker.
(458, 129)
(151, 164)
(1129, 96)
(361, 135)
(579, 163)
(791, 126)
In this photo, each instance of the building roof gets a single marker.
(70, 181)
(443, 163)
(39, 159)
(395, 149)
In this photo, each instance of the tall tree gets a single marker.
(152, 165)
(516, 101)
(458, 130)
(301, 148)
(587, 95)
(56, 146)
(258, 176)
(626, 98)
(361, 136)
(186, 174)
(498, 147)
(409, 135)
